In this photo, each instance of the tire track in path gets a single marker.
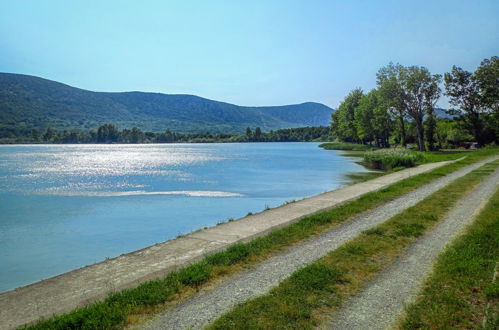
(379, 304)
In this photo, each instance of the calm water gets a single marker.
(66, 206)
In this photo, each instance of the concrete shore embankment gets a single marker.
(77, 288)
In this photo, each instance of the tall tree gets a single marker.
(487, 76)
(343, 124)
(421, 92)
(258, 133)
(364, 117)
(431, 128)
(373, 120)
(392, 94)
(464, 93)
(249, 133)
(382, 122)
(107, 133)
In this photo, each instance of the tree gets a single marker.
(382, 122)
(421, 92)
(258, 134)
(463, 90)
(49, 134)
(372, 120)
(487, 76)
(430, 128)
(249, 133)
(391, 93)
(136, 135)
(343, 123)
(364, 117)
(107, 133)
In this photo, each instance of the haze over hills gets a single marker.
(33, 102)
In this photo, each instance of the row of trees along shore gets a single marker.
(401, 109)
(109, 133)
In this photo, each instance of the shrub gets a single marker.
(392, 158)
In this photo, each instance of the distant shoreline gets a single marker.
(150, 143)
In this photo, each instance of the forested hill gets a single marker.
(32, 102)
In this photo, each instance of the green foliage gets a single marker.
(194, 274)
(486, 75)
(391, 158)
(392, 96)
(345, 146)
(421, 91)
(109, 133)
(402, 109)
(372, 121)
(231, 256)
(343, 123)
(475, 96)
(464, 92)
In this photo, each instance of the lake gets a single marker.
(66, 206)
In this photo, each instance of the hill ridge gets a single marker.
(33, 102)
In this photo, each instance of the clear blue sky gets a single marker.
(243, 52)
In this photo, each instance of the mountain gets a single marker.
(33, 102)
(442, 113)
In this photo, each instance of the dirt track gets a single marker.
(204, 308)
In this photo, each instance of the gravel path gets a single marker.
(378, 306)
(205, 307)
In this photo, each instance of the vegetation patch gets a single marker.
(392, 158)
(291, 305)
(346, 146)
(121, 308)
(460, 292)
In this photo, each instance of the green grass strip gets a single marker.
(346, 146)
(114, 312)
(460, 289)
(300, 301)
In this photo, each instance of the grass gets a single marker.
(357, 177)
(387, 159)
(295, 305)
(460, 289)
(124, 307)
(346, 146)
(393, 159)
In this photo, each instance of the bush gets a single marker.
(392, 158)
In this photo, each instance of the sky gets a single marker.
(243, 52)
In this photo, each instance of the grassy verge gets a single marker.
(393, 158)
(121, 308)
(300, 301)
(460, 288)
(345, 146)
